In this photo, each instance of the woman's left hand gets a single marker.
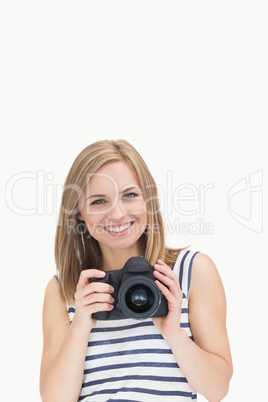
(169, 325)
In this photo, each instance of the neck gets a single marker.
(116, 258)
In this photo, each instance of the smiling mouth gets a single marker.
(119, 228)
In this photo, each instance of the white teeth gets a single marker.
(118, 229)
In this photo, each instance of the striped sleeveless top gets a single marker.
(128, 360)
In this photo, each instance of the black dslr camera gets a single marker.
(135, 293)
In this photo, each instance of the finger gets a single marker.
(172, 300)
(165, 269)
(93, 288)
(99, 298)
(172, 283)
(168, 295)
(96, 287)
(96, 307)
(86, 274)
(161, 262)
(169, 282)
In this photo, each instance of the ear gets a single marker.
(79, 217)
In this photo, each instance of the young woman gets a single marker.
(109, 213)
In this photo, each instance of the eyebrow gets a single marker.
(121, 192)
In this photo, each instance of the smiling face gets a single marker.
(113, 208)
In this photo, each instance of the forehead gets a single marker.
(112, 176)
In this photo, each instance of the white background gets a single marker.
(186, 84)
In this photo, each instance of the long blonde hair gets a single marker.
(75, 249)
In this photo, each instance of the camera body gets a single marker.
(135, 293)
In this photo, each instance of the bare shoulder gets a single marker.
(205, 278)
(55, 321)
(52, 289)
(207, 294)
(53, 302)
(207, 307)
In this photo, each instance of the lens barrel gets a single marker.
(139, 297)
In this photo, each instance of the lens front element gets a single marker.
(139, 297)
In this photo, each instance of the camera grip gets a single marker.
(100, 315)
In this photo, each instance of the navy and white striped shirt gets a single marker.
(128, 360)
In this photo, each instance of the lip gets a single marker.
(119, 229)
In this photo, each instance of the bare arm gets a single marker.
(206, 362)
(65, 345)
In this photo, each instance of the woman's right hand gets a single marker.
(65, 345)
(91, 297)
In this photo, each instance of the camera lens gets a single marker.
(139, 297)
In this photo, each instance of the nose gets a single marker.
(116, 212)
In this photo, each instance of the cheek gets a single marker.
(93, 221)
(142, 215)
(95, 230)
(135, 208)
(144, 218)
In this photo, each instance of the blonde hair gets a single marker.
(75, 249)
